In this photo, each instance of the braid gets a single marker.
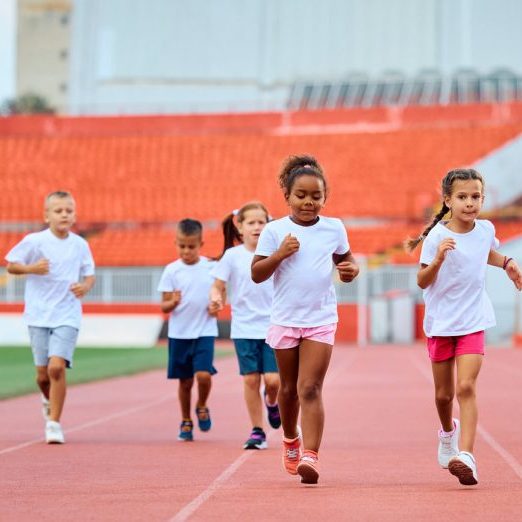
(411, 243)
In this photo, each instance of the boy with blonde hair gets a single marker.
(59, 271)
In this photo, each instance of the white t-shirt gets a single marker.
(190, 319)
(49, 301)
(304, 294)
(457, 302)
(250, 303)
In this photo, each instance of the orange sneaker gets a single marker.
(292, 453)
(308, 467)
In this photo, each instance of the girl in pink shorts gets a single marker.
(454, 257)
(300, 251)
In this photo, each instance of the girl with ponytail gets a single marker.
(453, 260)
(250, 305)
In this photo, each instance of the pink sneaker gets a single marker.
(308, 467)
(292, 453)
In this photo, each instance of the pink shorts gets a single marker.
(444, 348)
(282, 337)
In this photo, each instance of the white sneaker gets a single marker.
(464, 467)
(449, 445)
(54, 433)
(46, 407)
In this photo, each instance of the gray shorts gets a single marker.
(53, 342)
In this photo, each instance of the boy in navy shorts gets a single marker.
(185, 286)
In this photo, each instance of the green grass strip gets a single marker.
(17, 373)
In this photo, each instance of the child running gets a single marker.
(185, 286)
(300, 251)
(60, 271)
(453, 260)
(251, 305)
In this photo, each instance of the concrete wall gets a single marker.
(135, 56)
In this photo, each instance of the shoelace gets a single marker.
(292, 453)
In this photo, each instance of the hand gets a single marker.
(514, 273)
(176, 297)
(444, 247)
(288, 247)
(348, 271)
(41, 267)
(79, 289)
(213, 308)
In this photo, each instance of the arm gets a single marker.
(218, 294)
(169, 300)
(347, 266)
(428, 273)
(41, 267)
(509, 265)
(83, 288)
(263, 267)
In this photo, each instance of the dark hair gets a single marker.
(297, 166)
(190, 227)
(447, 188)
(231, 233)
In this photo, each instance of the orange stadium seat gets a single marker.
(147, 179)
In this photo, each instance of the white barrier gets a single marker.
(97, 330)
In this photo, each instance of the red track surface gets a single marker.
(378, 459)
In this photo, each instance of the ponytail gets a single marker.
(411, 243)
(231, 234)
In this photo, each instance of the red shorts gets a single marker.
(444, 348)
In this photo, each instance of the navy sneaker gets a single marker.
(204, 421)
(274, 418)
(185, 431)
(257, 440)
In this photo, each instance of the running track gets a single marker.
(378, 459)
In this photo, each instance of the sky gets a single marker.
(7, 49)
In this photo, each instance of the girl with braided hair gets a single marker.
(454, 257)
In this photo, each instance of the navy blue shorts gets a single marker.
(188, 356)
(255, 356)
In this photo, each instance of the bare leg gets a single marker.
(184, 395)
(254, 405)
(204, 380)
(468, 368)
(272, 383)
(288, 363)
(313, 364)
(57, 387)
(42, 379)
(444, 380)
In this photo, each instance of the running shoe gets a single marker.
(257, 440)
(308, 467)
(449, 445)
(203, 415)
(464, 467)
(46, 407)
(54, 433)
(185, 431)
(292, 453)
(274, 418)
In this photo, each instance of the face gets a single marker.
(254, 220)
(60, 215)
(188, 247)
(465, 201)
(306, 199)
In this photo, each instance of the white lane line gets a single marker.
(190, 508)
(89, 424)
(510, 460)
